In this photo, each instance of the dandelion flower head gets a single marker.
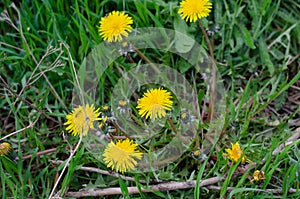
(235, 153)
(154, 103)
(81, 119)
(115, 25)
(258, 175)
(123, 106)
(122, 102)
(121, 156)
(5, 148)
(105, 108)
(192, 10)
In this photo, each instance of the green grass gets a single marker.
(256, 46)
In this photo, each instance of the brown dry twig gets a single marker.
(39, 153)
(23, 129)
(114, 174)
(5, 17)
(12, 92)
(163, 187)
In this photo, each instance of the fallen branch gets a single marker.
(39, 153)
(163, 187)
(113, 174)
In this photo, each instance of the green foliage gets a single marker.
(256, 46)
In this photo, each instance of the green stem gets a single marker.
(213, 82)
(146, 59)
(172, 125)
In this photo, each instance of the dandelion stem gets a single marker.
(171, 124)
(120, 129)
(174, 128)
(213, 64)
(146, 59)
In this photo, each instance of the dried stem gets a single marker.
(11, 46)
(83, 130)
(66, 165)
(6, 86)
(114, 174)
(76, 77)
(33, 57)
(5, 17)
(20, 130)
(39, 153)
(163, 187)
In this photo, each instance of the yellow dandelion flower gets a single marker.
(194, 9)
(5, 148)
(115, 25)
(105, 108)
(122, 155)
(235, 153)
(258, 175)
(103, 122)
(196, 153)
(78, 121)
(122, 102)
(154, 103)
(124, 44)
(123, 106)
(183, 115)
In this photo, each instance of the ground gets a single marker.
(45, 47)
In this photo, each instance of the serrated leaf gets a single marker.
(264, 55)
(247, 37)
(183, 41)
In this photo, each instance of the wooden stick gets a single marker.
(39, 153)
(163, 187)
(112, 173)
